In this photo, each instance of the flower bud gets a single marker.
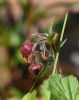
(43, 55)
(35, 68)
(26, 50)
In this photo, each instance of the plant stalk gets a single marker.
(39, 74)
(61, 38)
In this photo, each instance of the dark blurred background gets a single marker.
(18, 19)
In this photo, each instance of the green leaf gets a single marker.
(77, 94)
(29, 96)
(64, 88)
(44, 91)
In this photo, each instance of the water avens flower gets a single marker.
(38, 48)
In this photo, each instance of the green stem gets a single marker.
(61, 38)
(56, 61)
(37, 77)
(63, 29)
(50, 28)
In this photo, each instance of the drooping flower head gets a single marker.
(35, 50)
